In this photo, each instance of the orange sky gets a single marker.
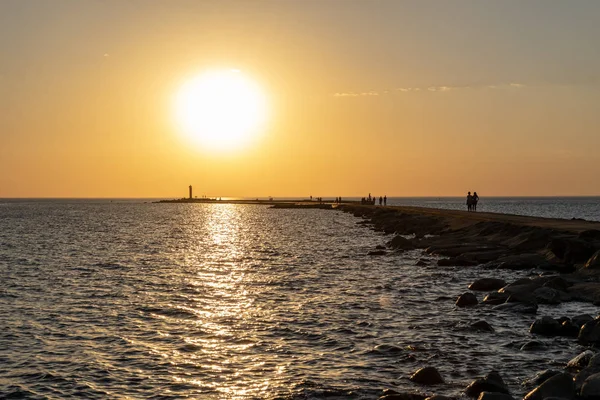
(388, 97)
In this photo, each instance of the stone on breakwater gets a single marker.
(496, 298)
(492, 382)
(581, 361)
(466, 300)
(487, 284)
(594, 261)
(494, 396)
(589, 333)
(541, 377)
(533, 345)
(560, 385)
(427, 376)
(546, 326)
(546, 295)
(481, 326)
(593, 367)
(401, 243)
(591, 387)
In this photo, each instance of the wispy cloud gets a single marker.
(443, 88)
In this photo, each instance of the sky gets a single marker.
(403, 98)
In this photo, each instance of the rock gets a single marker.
(581, 361)
(569, 329)
(524, 308)
(421, 263)
(591, 387)
(440, 397)
(540, 377)
(380, 247)
(594, 261)
(546, 295)
(592, 368)
(533, 345)
(581, 319)
(589, 333)
(377, 253)
(456, 261)
(585, 291)
(496, 298)
(519, 262)
(590, 235)
(557, 283)
(546, 326)
(427, 376)
(494, 396)
(403, 396)
(466, 300)
(481, 326)
(401, 243)
(560, 385)
(487, 284)
(492, 382)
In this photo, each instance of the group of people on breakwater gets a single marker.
(373, 200)
(472, 200)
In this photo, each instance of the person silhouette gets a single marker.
(380, 200)
(469, 201)
(474, 201)
(385, 200)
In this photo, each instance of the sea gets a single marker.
(129, 299)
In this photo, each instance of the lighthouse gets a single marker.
(190, 192)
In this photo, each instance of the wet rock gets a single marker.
(492, 382)
(546, 295)
(523, 308)
(560, 385)
(592, 368)
(593, 262)
(581, 319)
(380, 247)
(591, 387)
(546, 326)
(585, 291)
(496, 298)
(427, 376)
(387, 348)
(494, 396)
(440, 397)
(456, 261)
(589, 333)
(466, 300)
(377, 253)
(533, 345)
(401, 243)
(481, 326)
(558, 283)
(403, 396)
(569, 329)
(421, 263)
(487, 284)
(581, 361)
(540, 377)
(571, 250)
(519, 262)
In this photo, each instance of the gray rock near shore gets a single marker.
(540, 377)
(593, 367)
(494, 396)
(427, 376)
(546, 326)
(591, 387)
(590, 333)
(569, 329)
(560, 385)
(581, 361)
(533, 345)
(546, 295)
(495, 298)
(487, 284)
(492, 382)
(594, 261)
(401, 243)
(466, 300)
(481, 326)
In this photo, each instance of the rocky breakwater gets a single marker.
(560, 260)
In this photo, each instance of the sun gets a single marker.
(221, 110)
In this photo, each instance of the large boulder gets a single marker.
(560, 385)
(466, 300)
(581, 319)
(540, 377)
(427, 376)
(581, 361)
(546, 326)
(571, 250)
(590, 333)
(487, 284)
(593, 367)
(492, 382)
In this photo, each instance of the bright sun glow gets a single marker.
(221, 110)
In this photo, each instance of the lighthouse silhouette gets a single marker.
(190, 192)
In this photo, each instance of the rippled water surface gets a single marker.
(135, 300)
